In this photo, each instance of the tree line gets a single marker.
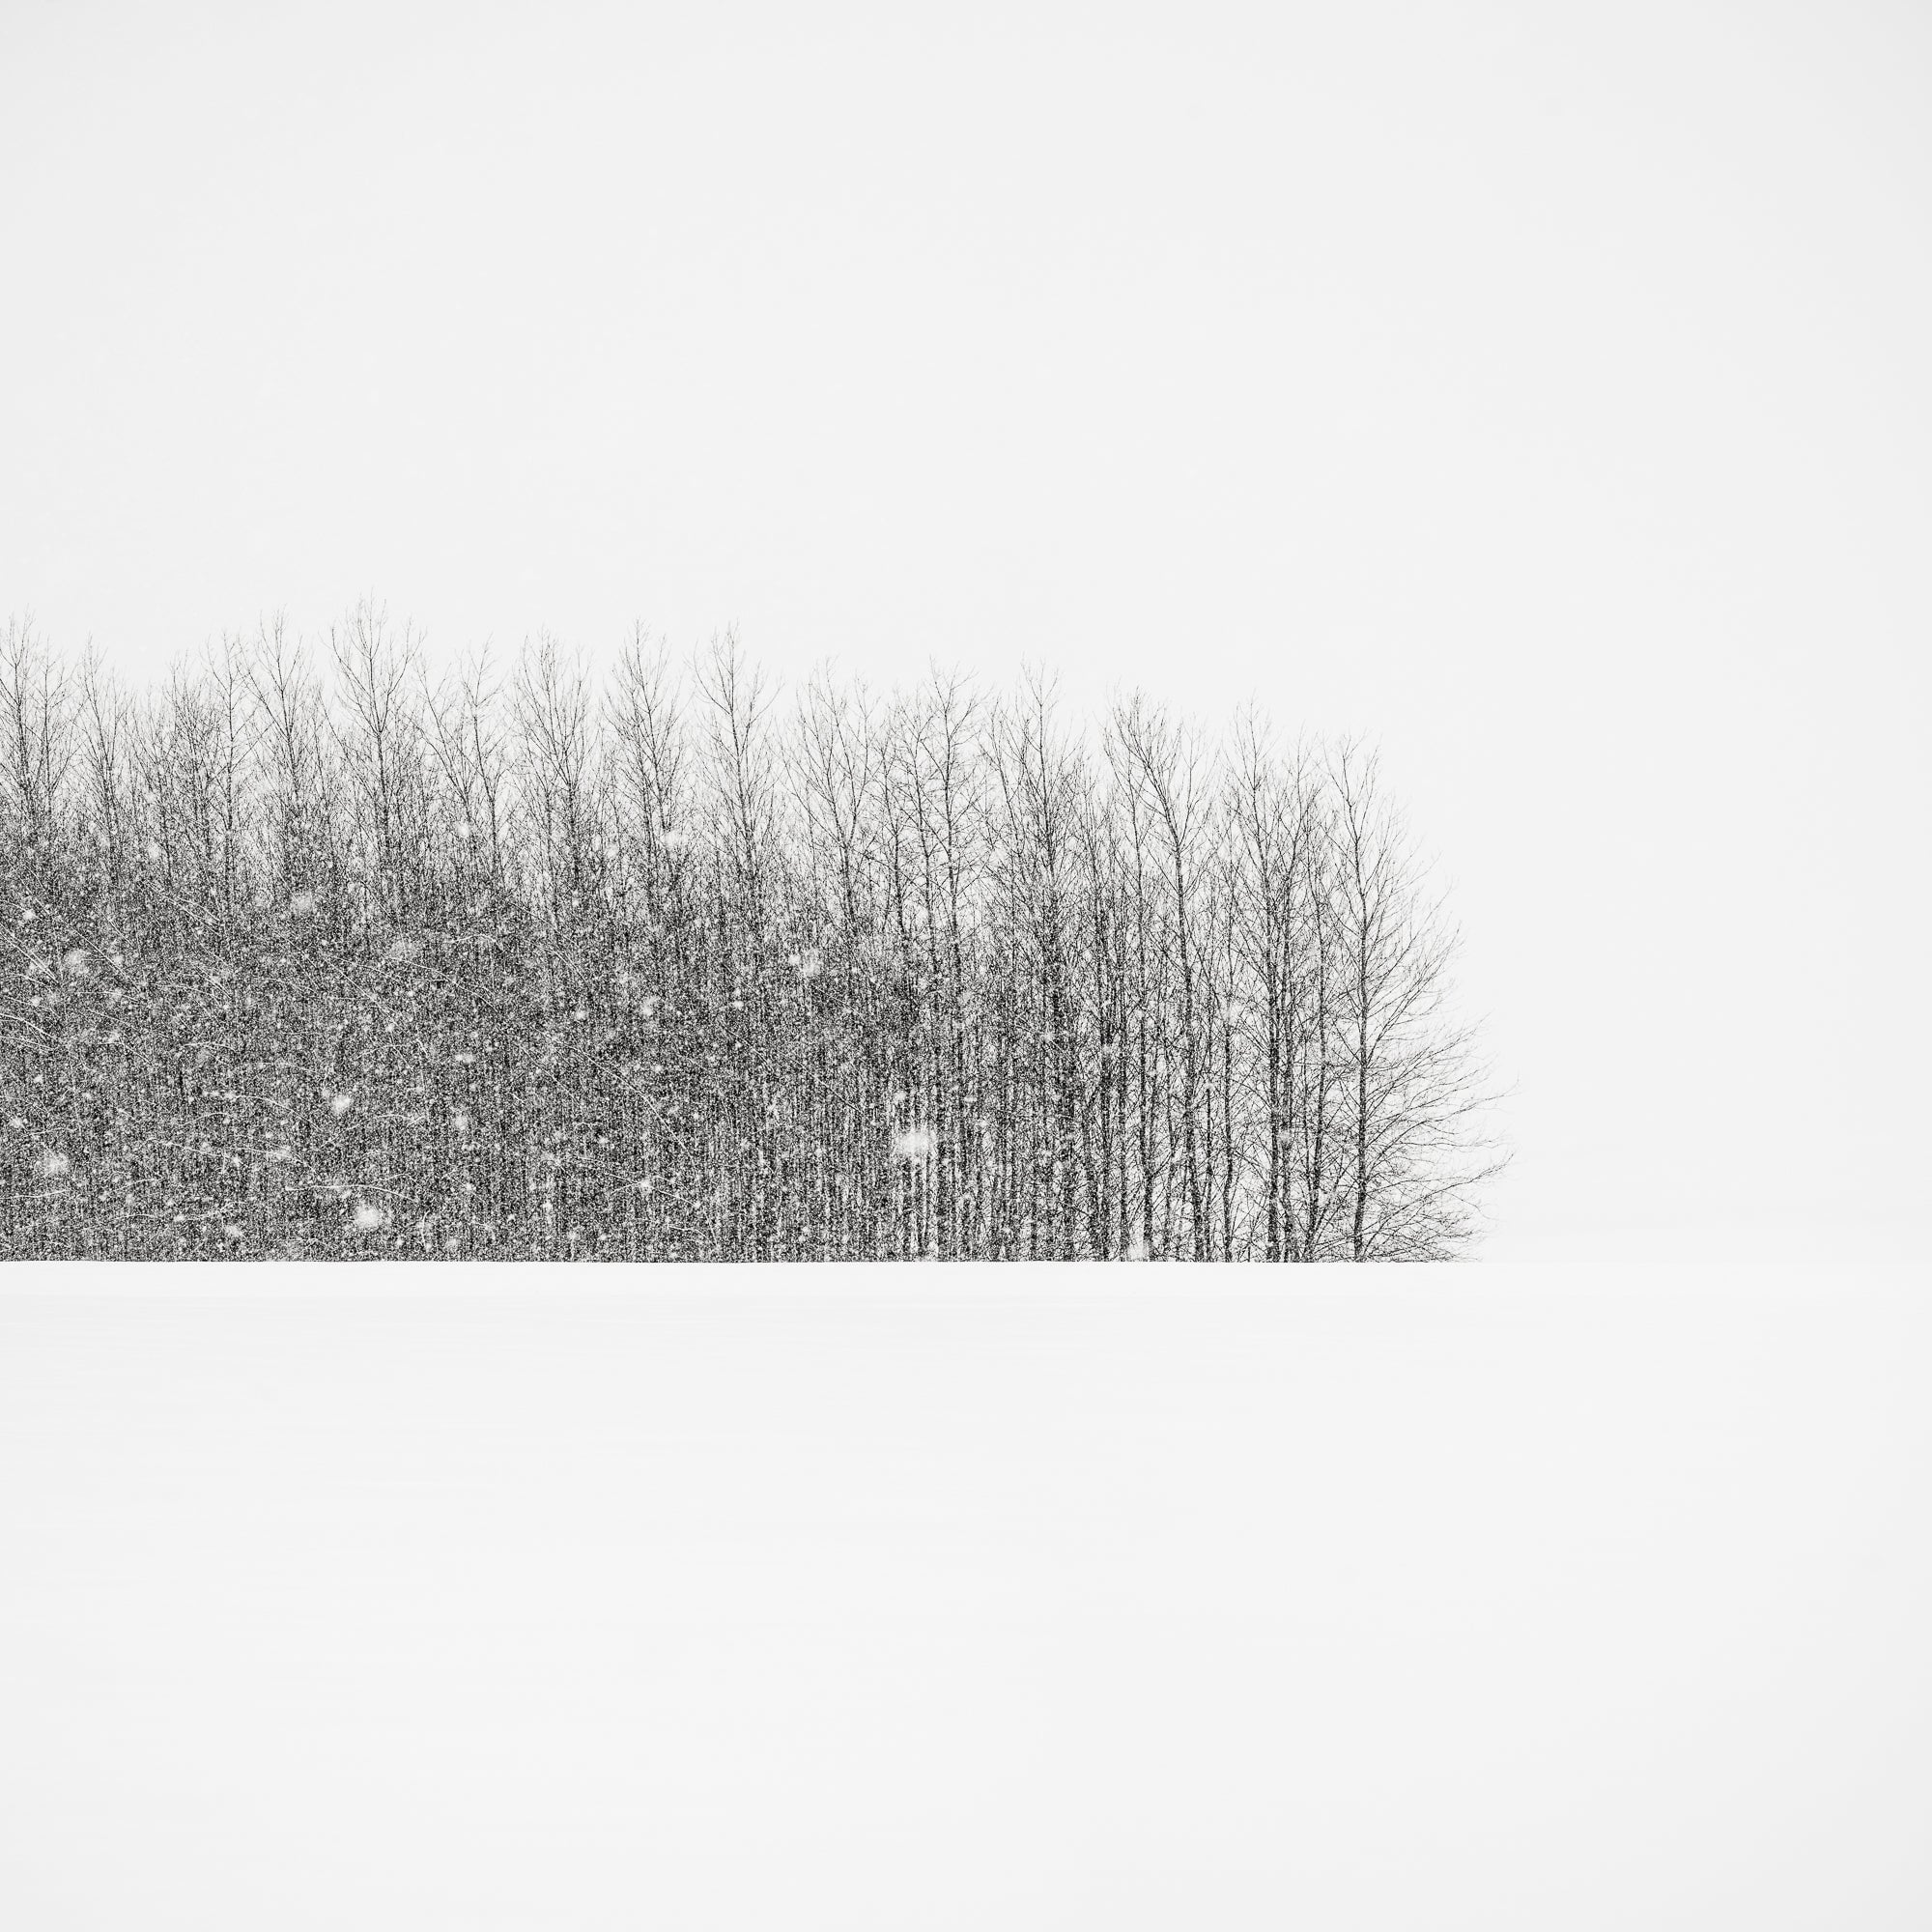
(318, 949)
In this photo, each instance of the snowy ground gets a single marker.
(1485, 1599)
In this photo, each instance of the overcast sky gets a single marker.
(1542, 391)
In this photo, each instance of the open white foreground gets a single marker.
(989, 1600)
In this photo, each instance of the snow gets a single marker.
(1001, 1597)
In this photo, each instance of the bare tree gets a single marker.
(1165, 764)
(387, 962)
(1416, 1089)
(36, 753)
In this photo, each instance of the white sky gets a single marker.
(1547, 396)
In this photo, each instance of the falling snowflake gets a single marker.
(403, 948)
(75, 960)
(368, 1218)
(913, 1144)
(340, 1103)
(52, 1164)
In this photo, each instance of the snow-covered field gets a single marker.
(997, 1599)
